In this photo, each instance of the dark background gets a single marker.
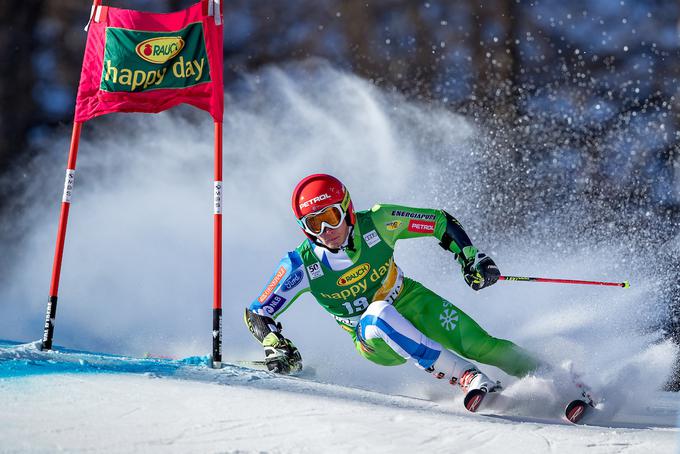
(579, 99)
(595, 80)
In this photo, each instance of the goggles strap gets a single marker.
(350, 237)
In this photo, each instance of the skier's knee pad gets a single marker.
(372, 317)
(382, 320)
(376, 309)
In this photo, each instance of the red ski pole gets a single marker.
(624, 284)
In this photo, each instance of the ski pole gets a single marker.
(624, 284)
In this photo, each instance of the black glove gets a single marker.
(479, 270)
(280, 355)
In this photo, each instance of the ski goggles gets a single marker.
(330, 217)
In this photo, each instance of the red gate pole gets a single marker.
(217, 243)
(51, 314)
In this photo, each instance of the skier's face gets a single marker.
(334, 238)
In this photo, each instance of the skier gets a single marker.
(347, 263)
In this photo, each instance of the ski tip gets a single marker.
(626, 284)
(575, 411)
(473, 399)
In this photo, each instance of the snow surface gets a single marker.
(81, 402)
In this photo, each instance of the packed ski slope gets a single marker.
(77, 402)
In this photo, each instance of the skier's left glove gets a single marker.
(479, 270)
(280, 355)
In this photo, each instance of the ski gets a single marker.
(575, 411)
(578, 408)
(261, 364)
(251, 362)
(473, 399)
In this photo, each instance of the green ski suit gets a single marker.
(358, 284)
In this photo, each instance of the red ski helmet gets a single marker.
(317, 192)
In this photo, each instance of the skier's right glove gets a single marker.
(281, 356)
(479, 270)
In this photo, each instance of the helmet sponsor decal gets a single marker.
(315, 270)
(273, 304)
(371, 238)
(272, 285)
(315, 200)
(421, 226)
(355, 274)
(346, 200)
(293, 280)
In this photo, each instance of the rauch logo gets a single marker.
(355, 274)
(161, 49)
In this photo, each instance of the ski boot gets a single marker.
(577, 408)
(476, 385)
(457, 370)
